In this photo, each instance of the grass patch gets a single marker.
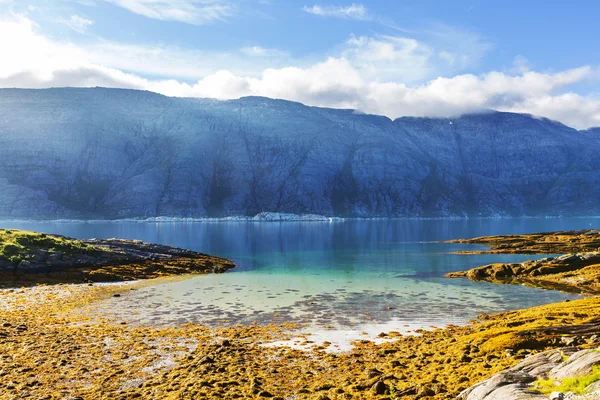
(575, 385)
(17, 246)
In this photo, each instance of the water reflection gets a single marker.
(342, 273)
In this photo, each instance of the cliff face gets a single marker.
(122, 153)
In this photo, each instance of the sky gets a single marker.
(436, 58)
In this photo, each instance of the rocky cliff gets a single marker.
(109, 153)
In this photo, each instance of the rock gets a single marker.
(26, 265)
(465, 358)
(322, 387)
(538, 365)
(264, 393)
(578, 364)
(379, 388)
(206, 360)
(594, 387)
(556, 396)
(424, 391)
(506, 385)
(516, 382)
(373, 373)
(104, 259)
(569, 340)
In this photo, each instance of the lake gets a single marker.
(349, 276)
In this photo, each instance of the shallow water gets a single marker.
(350, 276)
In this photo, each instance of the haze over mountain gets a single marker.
(111, 153)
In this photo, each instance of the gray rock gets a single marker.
(594, 387)
(578, 364)
(516, 383)
(503, 386)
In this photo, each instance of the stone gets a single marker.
(578, 364)
(373, 373)
(594, 387)
(569, 340)
(379, 388)
(501, 387)
(206, 360)
(556, 396)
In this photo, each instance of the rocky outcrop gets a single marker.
(27, 256)
(536, 243)
(519, 382)
(108, 153)
(579, 273)
(574, 272)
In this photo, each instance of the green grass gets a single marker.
(17, 246)
(575, 385)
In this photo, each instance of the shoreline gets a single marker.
(437, 363)
(54, 345)
(321, 218)
(576, 269)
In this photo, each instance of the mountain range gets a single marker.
(116, 153)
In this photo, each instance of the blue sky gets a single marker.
(426, 57)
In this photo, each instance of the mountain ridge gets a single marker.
(120, 153)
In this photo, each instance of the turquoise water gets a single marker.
(347, 275)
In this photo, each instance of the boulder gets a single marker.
(578, 364)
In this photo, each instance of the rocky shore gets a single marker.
(42, 258)
(51, 347)
(544, 376)
(561, 242)
(577, 272)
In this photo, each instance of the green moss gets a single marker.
(17, 246)
(575, 385)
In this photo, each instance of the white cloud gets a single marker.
(349, 80)
(496, 90)
(258, 51)
(353, 11)
(77, 23)
(387, 57)
(195, 12)
(520, 65)
(31, 50)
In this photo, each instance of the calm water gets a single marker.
(346, 275)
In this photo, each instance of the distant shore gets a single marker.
(287, 217)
